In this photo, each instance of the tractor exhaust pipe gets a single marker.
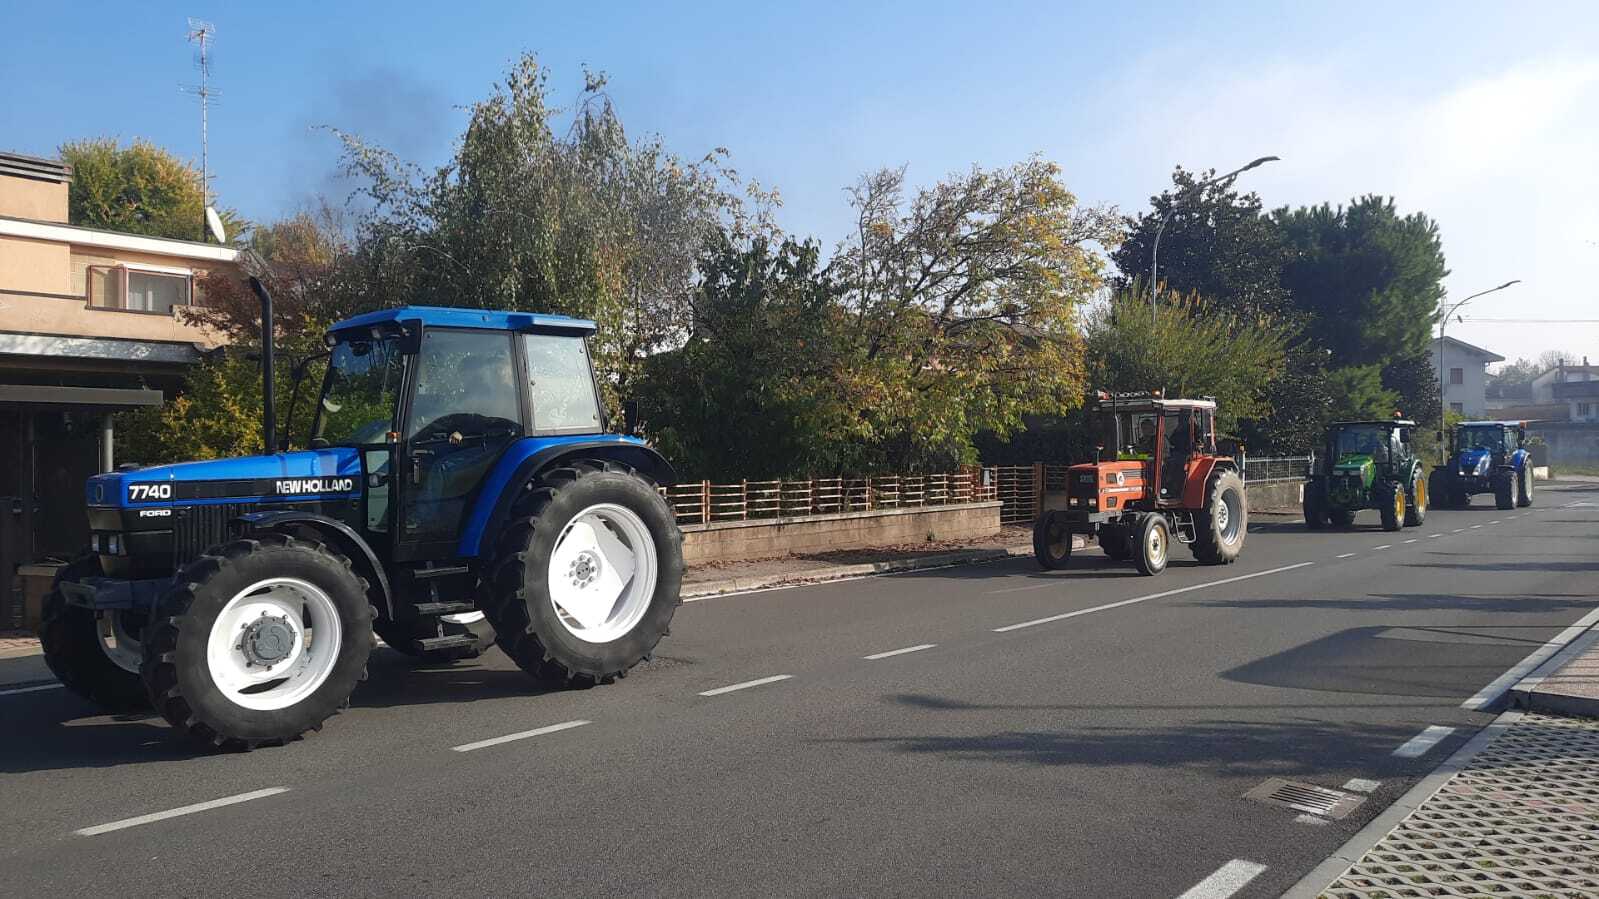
(269, 415)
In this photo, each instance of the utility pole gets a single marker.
(1154, 256)
(203, 33)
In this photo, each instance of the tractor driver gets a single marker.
(1146, 437)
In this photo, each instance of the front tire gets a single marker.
(1153, 545)
(75, 648)
(1222, 525)
(1524, 484)
(1314, 505)
(1113, 539)
(260, 641)
(1391, 503)
(1504, 491)
(1416, 510)
(588, 574)
(1052, 541)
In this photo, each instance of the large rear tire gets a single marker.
(1221, 527)
(587, 575)
(1152, 546)
(258, 642)
(1391, 504)
(77, 651)
(1504, 490)
(1052, 541)
(1524, 481)
(1416, 505)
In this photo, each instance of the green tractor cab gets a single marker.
(1367, 465)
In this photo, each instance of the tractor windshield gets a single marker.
(1491, 439)
(1361, 440)
(358, 395)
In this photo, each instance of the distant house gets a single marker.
(90, 325)
(1572, 388)
(1463, 369)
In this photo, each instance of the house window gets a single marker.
(1458, 408)
(1457, 376)
(139, 289)
(1584, 410)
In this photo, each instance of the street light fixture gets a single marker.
(1154, 256)
(1443, 322)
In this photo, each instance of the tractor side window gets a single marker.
(561, 384)
(359, 392)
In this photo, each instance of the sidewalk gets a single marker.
(1514, 813)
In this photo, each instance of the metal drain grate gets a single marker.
(1305, 797)
(1521, 821)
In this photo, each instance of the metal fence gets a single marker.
(1275, 468)
(702, 502)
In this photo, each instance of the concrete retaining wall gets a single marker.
(731, 541)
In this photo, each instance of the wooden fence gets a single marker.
(702, 502)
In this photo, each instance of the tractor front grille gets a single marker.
(196, 529)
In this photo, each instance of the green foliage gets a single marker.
(1217, 243)
(1191, 349)
(138, 189)
(1358, 394)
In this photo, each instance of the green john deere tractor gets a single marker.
(1367, 465)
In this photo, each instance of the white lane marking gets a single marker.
(1346, 555)
(898, 652)
(1420, 744)
(1311, 819)
(536, 732)
(1384, 546)
(174, 813)
(1228, 879)
(1412, 540)
(1495, 521)
(1361, 785)
(1138, 599)
(746, 685)
(1434, 536)
(1491, 693)
(1457, 530)
(1475, 526)
(36, 689)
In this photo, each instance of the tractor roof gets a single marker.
(1492, 424)
(1146, 402)
(487, 319)
(1384, 422)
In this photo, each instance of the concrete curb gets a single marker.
(1527, 695)
(1328, 872)
(707, 589)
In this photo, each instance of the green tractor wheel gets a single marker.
(1416, 512)
(1391, 503)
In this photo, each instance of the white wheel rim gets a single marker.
(274, 644)
(1157, 547)
(121, 647)
(602, 573)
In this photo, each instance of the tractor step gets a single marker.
(443, 608)
(458, 641)
(422, 574)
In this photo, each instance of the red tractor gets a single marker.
(1157, 477)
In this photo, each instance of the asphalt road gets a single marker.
(1103, 754)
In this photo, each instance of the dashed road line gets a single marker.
(1347, 555)
(1495, 521)
(1490, 694)
(536, 732)
(746, 685)
(1457, 530)
(1384, 546)
(1137, 599)
(1413, 540)
(1228, 879)
(1475, 526)
(1434, 536)
(898, 652)
(1361, 785)
(33, 689)
(177, 812)
(1422, 743)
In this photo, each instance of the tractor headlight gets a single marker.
(113, 544)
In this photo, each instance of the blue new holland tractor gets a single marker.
(1486, 457)
(458, 464)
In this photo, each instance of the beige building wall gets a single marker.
(35, 266)
(28, 198)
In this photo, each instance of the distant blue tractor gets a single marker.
(458, 464)
(1485, 457)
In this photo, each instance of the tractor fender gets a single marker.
(338, 535)
(1518, 459)
(1199, 477)
(528, 458)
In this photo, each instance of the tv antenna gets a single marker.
(203, 34)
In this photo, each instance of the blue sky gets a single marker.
(1480, 114)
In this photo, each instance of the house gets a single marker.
(90, 324)
(1463, 369)
(1572, 389)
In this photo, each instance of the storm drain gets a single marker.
(1303, 797)
(1521, 821)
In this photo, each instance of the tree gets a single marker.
(1192, 348)
(959, 307)
(1217, 243)
(138, 189)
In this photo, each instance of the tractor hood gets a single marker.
(1355, 464)
(306, 474)
(1473, 462)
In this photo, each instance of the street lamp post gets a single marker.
(1443, 322)
(1154, 256)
